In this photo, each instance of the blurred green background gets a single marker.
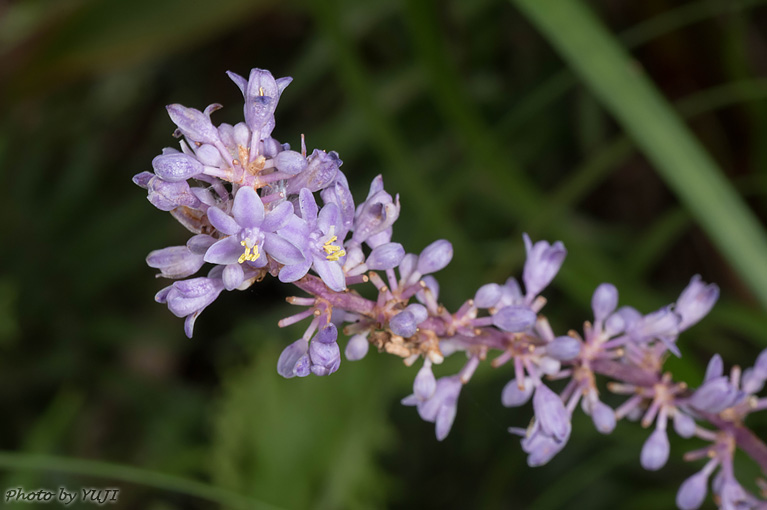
(555, 117)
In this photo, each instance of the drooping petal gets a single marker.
(248, 209)
(193, 124)
(331, 273)
(294, 272)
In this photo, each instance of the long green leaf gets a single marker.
(638, 106)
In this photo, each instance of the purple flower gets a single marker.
(716, 395)
(248, 231)
(294, 360)
(550, 413)
(324, 352)
(188, 298)
(194, 124)
(376, 214)
(166, 196)
(320, 172)
(261, 92)
(542, 265)
(181, 261)
(441, 407)
(314, 235)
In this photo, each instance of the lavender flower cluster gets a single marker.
(250, 203)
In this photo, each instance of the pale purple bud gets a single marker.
(692, 492)
(385, 256)
(290, 357)
(487, 295)
(655, 450)
(752, 381)
(603, 417)
(604, 301)
(193, 124)
(684, 424)
(761, 364)
(614, 325)
(512, 396)
(326, 357)
(435, 257)
(514, 319)
(696, 301)
(419, 312)
(403, 324)
(175, 261)
(425, 384)
(551, 413)
(272, 147)
(542, 264)
(407, 265)
(176, 167)
(290, 162)
(441, 407)
(564, 348)
(166, 196)
(357, 347)
(715, 368)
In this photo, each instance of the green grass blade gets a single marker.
(637, 105)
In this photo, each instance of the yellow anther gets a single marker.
(260, 91)
(248, 255)
(333, 252)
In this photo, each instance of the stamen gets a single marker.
(260, 91)
(333, 252)
(247, 255)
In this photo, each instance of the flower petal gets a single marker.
(222, 221)
(248, 210)
(277, 217)
(225, 251)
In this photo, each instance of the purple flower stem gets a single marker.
(344, 300)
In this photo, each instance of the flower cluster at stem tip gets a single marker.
(251, 204)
